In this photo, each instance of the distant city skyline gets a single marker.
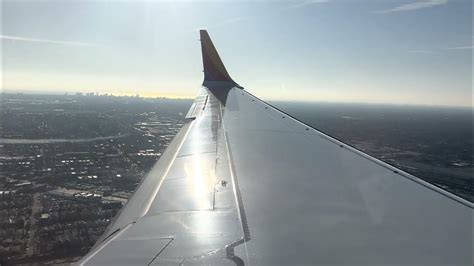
(401, 52)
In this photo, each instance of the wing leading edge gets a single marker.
(244, 183)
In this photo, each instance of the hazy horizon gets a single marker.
(317, 101)
(416, 52)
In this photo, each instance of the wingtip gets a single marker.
(203, 32)
(214, 69)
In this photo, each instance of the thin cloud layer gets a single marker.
(413, 6)
(441, 50)
(308, 3)
(461, 47)
(421, 52)
(34, 40)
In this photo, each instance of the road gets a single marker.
(35, 210)
(47, 141)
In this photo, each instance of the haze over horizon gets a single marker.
(400, 52)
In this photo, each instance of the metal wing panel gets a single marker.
(276, 192)
(309, 199)
(185, 210)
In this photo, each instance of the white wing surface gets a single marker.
(245, 183)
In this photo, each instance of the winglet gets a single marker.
(214, 69)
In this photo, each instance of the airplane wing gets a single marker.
(245, 183)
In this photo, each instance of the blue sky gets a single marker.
(394, 51)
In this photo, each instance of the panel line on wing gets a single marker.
(238, 195)
(161, 250)
(105, 243)
(238, 198)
